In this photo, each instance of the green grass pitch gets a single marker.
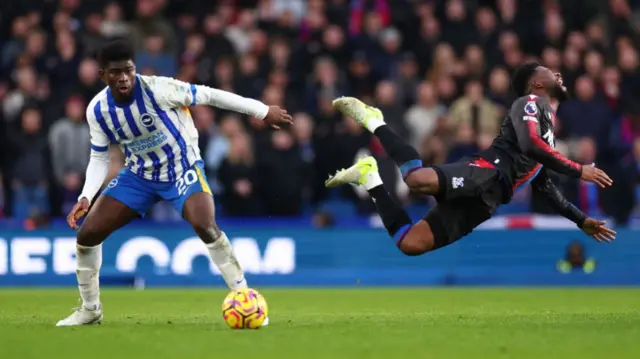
(331, 323)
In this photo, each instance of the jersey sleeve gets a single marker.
(176, 93)
(543, 186)
(99, 160)
(99, 139)
(526, 116)
(97, 171)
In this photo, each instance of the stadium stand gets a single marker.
(438, 69)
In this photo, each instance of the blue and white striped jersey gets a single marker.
(155, 130)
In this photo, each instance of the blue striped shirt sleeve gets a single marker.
(99, 139)
(99, 148)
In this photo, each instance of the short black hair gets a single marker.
(115, 50)
(521, 77)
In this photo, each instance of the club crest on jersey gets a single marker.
(457, 182)
(147, 120)
(531, 108)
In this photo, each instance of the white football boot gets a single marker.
(82, 316)
(363, 173)
(266, 322)
(367, 116)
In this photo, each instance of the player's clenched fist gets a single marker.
(595, 175)
(277, 116)
(78, 211)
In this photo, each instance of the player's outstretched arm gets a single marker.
(526, 117)
(543, 186)
(274, 117)
(180, 93)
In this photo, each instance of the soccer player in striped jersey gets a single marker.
(148, 118)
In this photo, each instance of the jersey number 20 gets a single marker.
(182, 184)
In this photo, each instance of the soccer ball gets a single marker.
(244, 309)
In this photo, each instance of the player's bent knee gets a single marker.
(90, 236)
(424, 180)
(208, 231)
(412, 179)
(205, 226)
(414, 247)
(418, 240)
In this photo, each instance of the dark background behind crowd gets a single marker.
(439, 70)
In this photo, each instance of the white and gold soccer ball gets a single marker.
(244, 309)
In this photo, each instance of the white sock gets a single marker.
(374, 123)
(373, 180)
(222, 255)
(89, 261)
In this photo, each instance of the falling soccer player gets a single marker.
(469, 191)
(149, 118)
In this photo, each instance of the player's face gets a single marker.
(553, 83)
(120, 77)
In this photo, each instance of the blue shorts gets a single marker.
(140, 194)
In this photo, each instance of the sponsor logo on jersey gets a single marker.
(146, 143)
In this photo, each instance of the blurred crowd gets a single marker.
(439, 70)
